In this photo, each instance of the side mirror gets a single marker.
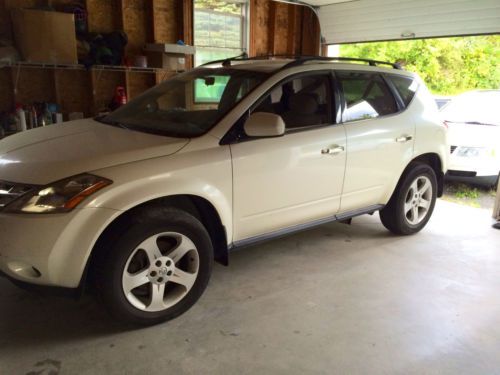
(263, 124)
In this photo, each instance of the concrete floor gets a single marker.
(336, 299)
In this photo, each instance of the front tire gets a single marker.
(413, 201)
(156, 268)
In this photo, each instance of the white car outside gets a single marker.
(140, 202)
(474, 135)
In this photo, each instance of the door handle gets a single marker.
(333, 151)
(404, 138)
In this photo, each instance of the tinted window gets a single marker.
(366, 95)
(303, 101)
(405, 86)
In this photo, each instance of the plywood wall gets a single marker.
(275, 28)
(144, 21)
(283, 29)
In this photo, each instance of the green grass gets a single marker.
(467, 195)
(466, 192)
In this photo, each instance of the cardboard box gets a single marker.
(171, 48)
(168, 56)
(45, 37)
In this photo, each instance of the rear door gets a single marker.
(380, 138)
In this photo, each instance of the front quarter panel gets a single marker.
(203, 169)
(60, 245)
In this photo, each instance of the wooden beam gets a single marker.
(252, 49)
(187, 12)
(187, 31)
(292, 27)
(310, 33)
(271, 47)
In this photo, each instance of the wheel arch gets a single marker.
(434, 161)
(197, 206)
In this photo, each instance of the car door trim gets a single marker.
(300, 227)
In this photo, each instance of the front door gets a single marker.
(293, 179)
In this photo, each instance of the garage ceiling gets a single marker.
(372, 20)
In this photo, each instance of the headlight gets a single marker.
(474, 152)
(60, 196)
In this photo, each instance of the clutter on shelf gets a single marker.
(46, 50)
(168, 56)
(29, 116)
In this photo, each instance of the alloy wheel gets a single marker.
(418, 200)
(160, 271)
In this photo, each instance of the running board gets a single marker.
(300, 227)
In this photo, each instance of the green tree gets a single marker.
(219, 6)
(447, 65)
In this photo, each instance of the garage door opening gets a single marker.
(462, 73)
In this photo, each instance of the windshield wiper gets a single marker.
(111, 122)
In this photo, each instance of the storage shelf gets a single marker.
(111, 68)
(77, 88)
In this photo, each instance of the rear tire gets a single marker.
(413, 201)
(155, 268)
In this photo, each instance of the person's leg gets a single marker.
(496, 209)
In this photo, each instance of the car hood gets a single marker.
(44, 155)
(473, 135)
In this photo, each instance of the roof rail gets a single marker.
(227, 60)
(302, 60)
(299, 60)
(244, 57)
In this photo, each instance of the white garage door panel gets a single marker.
(369, 20)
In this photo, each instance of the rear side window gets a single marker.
(366, 95)
(406, 87)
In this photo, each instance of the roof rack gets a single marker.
(227, 61)
(305, 59)
(299, 60)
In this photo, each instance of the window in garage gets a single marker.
(219, 29)
(219, 32)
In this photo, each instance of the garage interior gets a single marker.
(334, 299)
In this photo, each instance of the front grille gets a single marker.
(10, 191)
(452, 148)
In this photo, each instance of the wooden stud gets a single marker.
(187, 31)
(252, 28)
(292, 24)
(55, 81)
(7, 92)
(271, 48)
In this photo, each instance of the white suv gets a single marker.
(141, 201)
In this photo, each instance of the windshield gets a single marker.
(475, 108)
(187, 105)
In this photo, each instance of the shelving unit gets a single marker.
(275, 28)
(77, 89)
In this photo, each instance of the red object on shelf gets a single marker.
(120, 96)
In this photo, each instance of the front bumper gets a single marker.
(50, 249)
(472, 167)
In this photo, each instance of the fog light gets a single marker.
(24, 269)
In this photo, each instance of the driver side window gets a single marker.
(301, 102)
